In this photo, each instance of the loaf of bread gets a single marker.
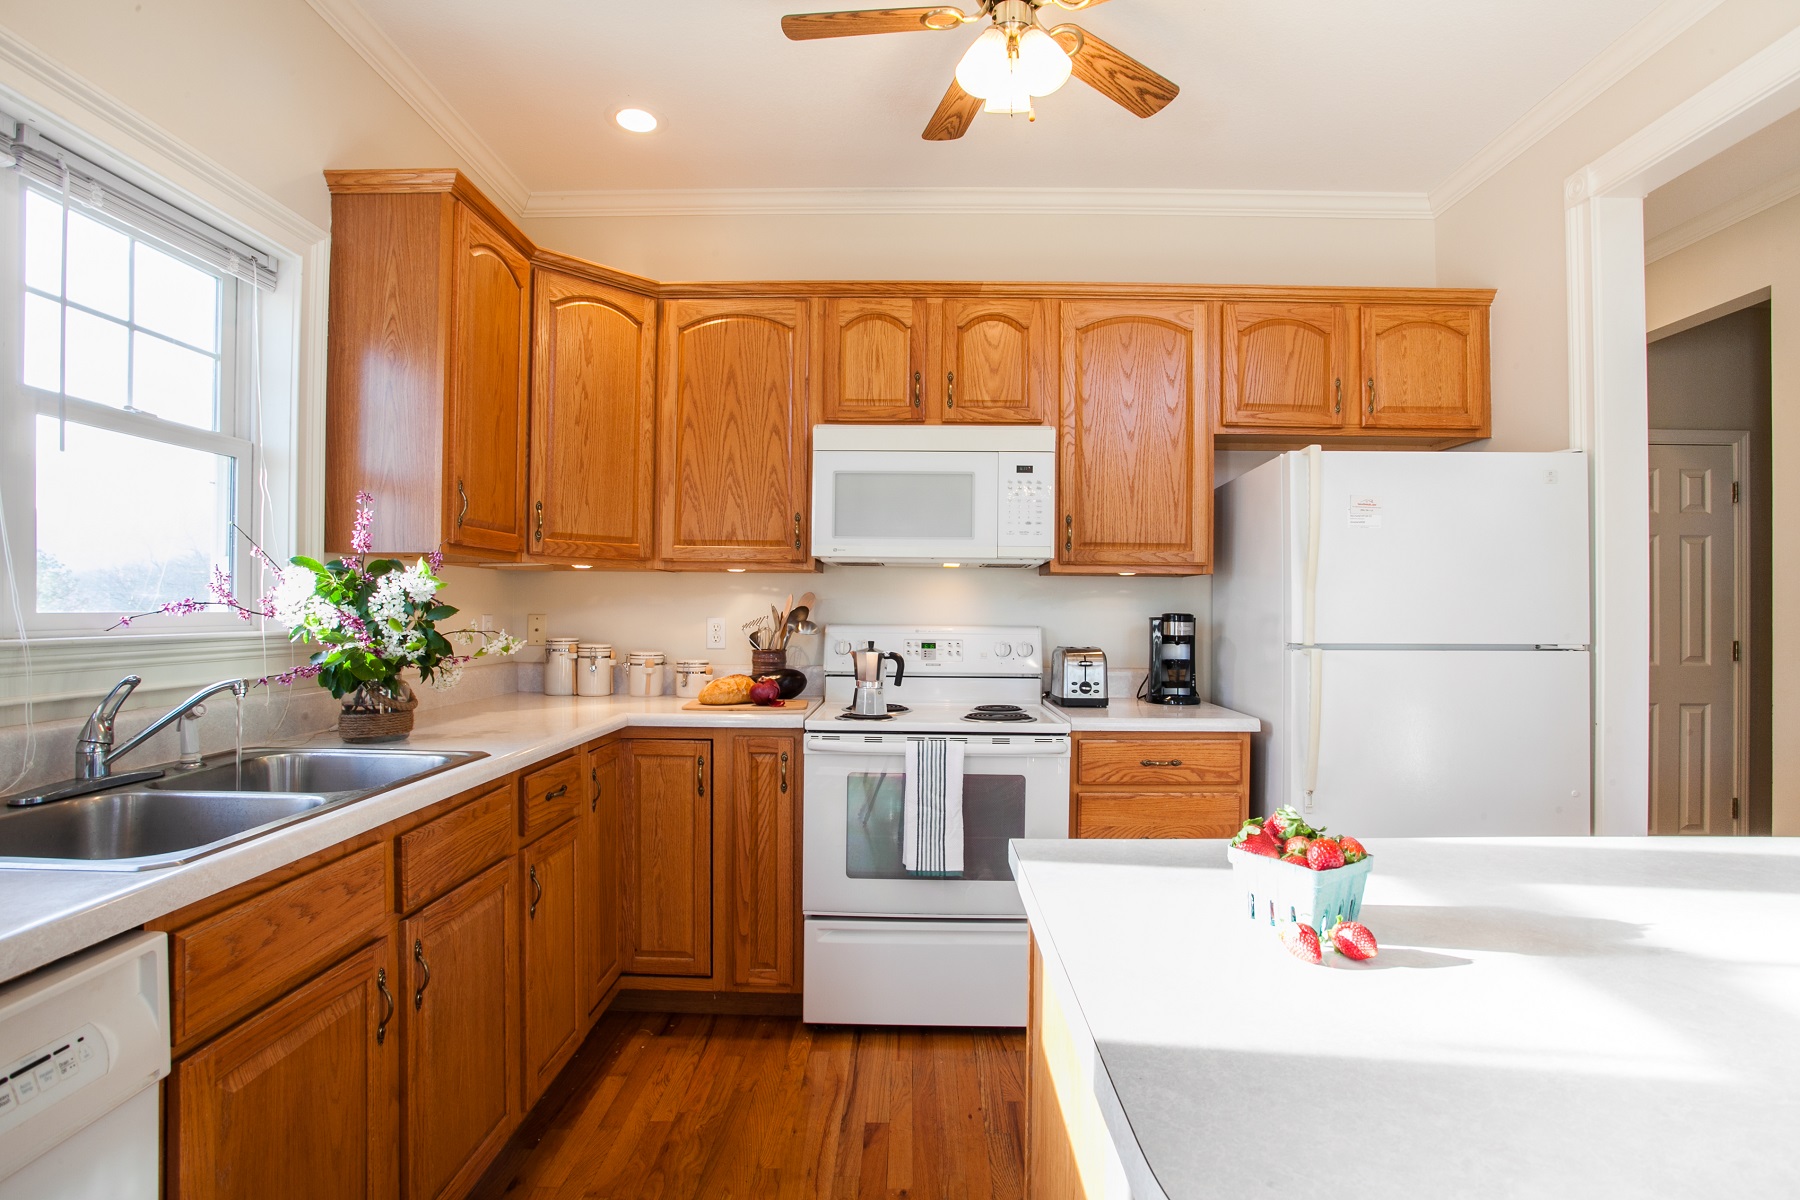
(731, 689)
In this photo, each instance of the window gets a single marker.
(128, 454)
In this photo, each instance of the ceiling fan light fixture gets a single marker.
(635, 120)
(1009, 104)
(1010, 61)
(1044, 65)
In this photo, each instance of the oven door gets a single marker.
(1013, 787)
(911, 506)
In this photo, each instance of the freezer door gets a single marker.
(1441, 743)
(1442, 549)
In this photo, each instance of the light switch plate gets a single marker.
(715, 633)
(534, 629)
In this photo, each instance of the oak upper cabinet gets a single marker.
(765, 899)
(461, 1022)
(1134, 476)
(874, 360)
(668, 858)
(1424, 367)
(997, 362)
(1286, 365)
(299, 1100)
(427, 366)
(554, 999)
(600, 922)
(732, 434)
(593, 421)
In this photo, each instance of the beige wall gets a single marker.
(1761, 252)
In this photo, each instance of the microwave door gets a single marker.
(904, 505)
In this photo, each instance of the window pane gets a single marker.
(173, 382)
(43, 343)
(124, 524)
(43, 243)
(96, 358)
(176, 299)
(99, 266)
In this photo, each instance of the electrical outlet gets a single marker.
(486, 623)
(715, 633)
(534, 629)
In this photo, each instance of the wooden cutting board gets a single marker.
(799, 703)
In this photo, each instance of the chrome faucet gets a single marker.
(94, 753)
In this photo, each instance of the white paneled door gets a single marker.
(1693, 640)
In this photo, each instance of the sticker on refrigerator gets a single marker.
(1365, 512)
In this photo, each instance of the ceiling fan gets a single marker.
(1014, 59)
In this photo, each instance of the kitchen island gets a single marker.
(1547, 1017)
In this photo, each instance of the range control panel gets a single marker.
(1027, 489)
(960, 650)
(54, 1070)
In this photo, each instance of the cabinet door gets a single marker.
(732, 432)
(553, 1007)
(1135, 473)
(1424, 367)
(298, 1101)
(765, 903)
(461, 1021)
(490, 308)
(599, 920)
(997, 359)
(668, 859)
(1285, 366)
(593, 421)
(874, 360)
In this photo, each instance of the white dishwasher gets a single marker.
(82, 1044)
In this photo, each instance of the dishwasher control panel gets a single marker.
(57, 1069)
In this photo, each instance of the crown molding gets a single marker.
(353, 23)
(1644, 39)
(1387, 206)
(1715, 220)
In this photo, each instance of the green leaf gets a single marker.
(311, 564)
(441, 612)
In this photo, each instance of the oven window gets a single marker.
(993, 813)
(903, 504)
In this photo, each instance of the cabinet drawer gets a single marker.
(1157, 814)
(1169, 762)
(228, 964)
(552, 795)
(457, 846)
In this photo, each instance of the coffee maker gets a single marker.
(1173, 675)
(869, 700)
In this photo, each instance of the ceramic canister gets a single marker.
(593, 669)
(644, 673)
(559, 666)
(691, 674)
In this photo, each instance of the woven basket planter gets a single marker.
(373, 714)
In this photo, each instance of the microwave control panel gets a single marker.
(1027, 487)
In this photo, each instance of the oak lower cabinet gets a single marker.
(732, 435)
(600, 886)
(554, 998)
(1134, 476)
(427, 366)
(298, 1101)
(765, 881)
(668, 831)
(1150, 785)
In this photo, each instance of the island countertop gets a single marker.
(1592, 1017)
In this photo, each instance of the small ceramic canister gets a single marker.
(559, 666)
(644, 672)
(691, 674)
(593, 669)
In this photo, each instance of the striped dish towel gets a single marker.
(931, 827)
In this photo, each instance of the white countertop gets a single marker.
(1124, 714)
(47, 914)
(1548, 1017)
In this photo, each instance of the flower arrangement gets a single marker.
(371, 618)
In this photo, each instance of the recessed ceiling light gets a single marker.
(635, 119)
(584, 566)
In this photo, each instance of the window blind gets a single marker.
(65, 172)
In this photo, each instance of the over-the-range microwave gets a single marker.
(934, 495)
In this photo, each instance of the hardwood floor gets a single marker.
(692, 1105)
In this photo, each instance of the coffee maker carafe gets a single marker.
(1173, 664)
(869, 701)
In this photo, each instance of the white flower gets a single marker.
(293, 598)
(389, 600)
(321, 614)
(448, 675)
(419, 584)
(502, 643)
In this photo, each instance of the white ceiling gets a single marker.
(1277, 95)
(1761, 170)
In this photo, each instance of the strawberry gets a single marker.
(1353, 850)
(1299, 860)
(1281, 820)
(1296, 845)
(1324, 855)
(1261, 842)
(1302, 942)
(1253, 826)
(1353, 940)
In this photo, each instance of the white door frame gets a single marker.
(1608, 388)
(1739, 441)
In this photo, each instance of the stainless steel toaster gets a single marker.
(1078, 677)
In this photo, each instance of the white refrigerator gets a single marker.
(1413, 631)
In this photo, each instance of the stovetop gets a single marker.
(939, 716)
(957, 680)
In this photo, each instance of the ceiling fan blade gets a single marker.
(1115, 74)
(953, 116)
(803, 27)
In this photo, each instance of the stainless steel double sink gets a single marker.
(187, 814)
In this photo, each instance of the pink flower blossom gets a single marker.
(362, 540)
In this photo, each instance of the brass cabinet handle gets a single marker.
(419, 957)
(1337, 403)
(557, 793)
(784, 772)
(1159, 762)
(594, 778)
(540, 520)
(1069, 536)
(464, 510)
(950, 390)
(537, 893)
(387, 998)
(1371, 396)
(700, 774)
(797, 522)
(918, 389)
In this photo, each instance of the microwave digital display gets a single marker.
(1023, 469)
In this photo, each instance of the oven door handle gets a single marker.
(1050, 748)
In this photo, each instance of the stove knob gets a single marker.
(1026, 649)
(841, 648)
(1002, 649)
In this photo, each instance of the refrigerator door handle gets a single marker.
(1314, 517)
(1315, 718)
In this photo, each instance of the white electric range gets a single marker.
(885, 946)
